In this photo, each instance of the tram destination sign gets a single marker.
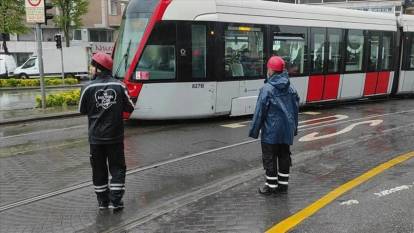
(35, 11)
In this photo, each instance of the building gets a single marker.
(385, 6)
(99, 31)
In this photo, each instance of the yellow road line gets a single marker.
(297, 218)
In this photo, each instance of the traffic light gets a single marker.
(58, 39)
(48, 6)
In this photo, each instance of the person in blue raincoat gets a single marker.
(276, 116)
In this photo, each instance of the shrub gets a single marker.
(36, 82)
(66, 98)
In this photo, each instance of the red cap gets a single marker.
(103, 59)
(276, 63)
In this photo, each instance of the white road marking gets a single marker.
(322, 119)
(234, 125)
(313, 136)
(393, 190)
(350, 202)
(302, 124)
(310, 113)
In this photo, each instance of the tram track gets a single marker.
(87, 183)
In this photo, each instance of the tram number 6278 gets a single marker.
(198, 85)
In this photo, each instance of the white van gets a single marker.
(75, 60)
(7, 65)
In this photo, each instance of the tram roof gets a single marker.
(267, 12)
(407, 22)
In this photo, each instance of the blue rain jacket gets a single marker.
(276, 113)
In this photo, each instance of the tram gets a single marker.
(405, 79)
(202, 58)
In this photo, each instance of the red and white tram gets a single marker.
(406, 76)
(201, 58)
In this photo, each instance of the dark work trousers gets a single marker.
(101, 156)
(274, 155)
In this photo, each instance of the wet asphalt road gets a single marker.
(206, 190)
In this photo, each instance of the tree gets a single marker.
(12, 14)
(70, 12)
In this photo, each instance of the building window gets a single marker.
(48, 34)
(113, 9)
(243, 51)
(96, 35)
(199, 48)
(29, 36)
(354, 50)
(77, 34)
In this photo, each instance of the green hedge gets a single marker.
(36, 82)
(66, 98)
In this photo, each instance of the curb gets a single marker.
(38, 88)
(39, 118)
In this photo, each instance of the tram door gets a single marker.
(325, 64)
(379, 63)
(199, 92)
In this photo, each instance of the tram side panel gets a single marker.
(406, 84)
(176, 100)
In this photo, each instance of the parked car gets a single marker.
(7, 66)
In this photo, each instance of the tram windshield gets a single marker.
(133, 25)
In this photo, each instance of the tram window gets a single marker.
(411, 55)
(243, 51)
(199, 48)
(291, 48)
(387, 51)
(374, 49)
(354, 50)
(334, 56)
(157, 63)
(318, 49)
(158, 59)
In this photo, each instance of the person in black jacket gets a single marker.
(104, 101)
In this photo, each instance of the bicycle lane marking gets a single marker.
(290, 222)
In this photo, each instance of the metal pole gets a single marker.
(63, 71)
(40, 62)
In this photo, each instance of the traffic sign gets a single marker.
(35, 11)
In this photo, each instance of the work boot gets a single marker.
(117, 205)
(266, 190)
(281, 189)
(103, 205)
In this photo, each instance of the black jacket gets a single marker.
(104, 100)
